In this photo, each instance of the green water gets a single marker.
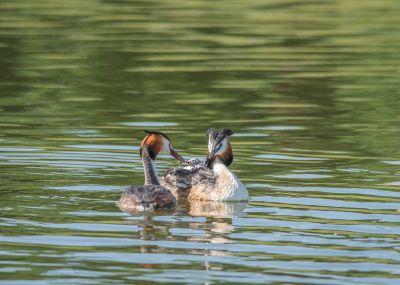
(311, 89)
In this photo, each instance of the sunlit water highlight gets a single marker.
(309, 87)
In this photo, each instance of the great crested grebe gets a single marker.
(211, 180)
(152, 195)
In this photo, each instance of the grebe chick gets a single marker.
(152, 195)
(212, 180)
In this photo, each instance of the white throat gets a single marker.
(220, 168)
(228, 186)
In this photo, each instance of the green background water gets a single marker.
(311, 89)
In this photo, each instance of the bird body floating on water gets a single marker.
(211, 180)
(151, 196)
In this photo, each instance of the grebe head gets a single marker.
(157, 142)
(219, 146)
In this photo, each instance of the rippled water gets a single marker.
(311, 89)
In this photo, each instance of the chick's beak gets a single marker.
(175, 154)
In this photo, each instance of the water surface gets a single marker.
(310, 88)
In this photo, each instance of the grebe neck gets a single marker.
(227, 185)
(219, 167)
(150, 170)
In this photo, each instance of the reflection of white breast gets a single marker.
(221, 209)
(228, 187)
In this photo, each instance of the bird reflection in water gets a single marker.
(212, 223)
